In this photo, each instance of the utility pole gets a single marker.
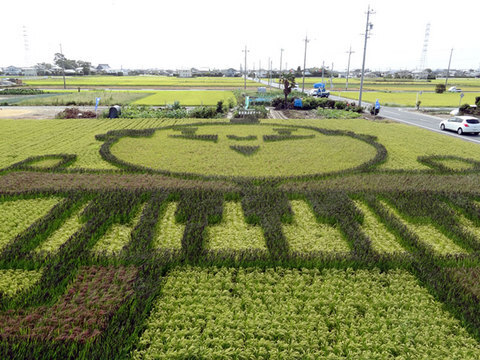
(331, 77)
(367, 28)
(281, 53)
(304, 63)
(271, 71)
(268, 72)
(323, 70)
(63, 69)
(245, 82)
(448, 71)
(349, 52)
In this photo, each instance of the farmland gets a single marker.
(161, 239)
(187, 98)
(430, 99)
(381, 84)
(140, 81)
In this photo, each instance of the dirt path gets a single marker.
(37, 112)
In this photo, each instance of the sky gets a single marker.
(211, 34)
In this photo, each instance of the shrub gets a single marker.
(20, 91)
(203, 112)
(220, 109)
(477, 100)
(440, 88)
(340, 105)
(75, 113)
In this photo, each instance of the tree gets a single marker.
(63, 62)
(85, 65)
(288, 81)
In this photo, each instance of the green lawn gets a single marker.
(187, 98)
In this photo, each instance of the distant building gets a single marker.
(12, 70)
(103, 67)
(187, 73)
(30, 71)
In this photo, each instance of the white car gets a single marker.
(454, 89)
(461, 125)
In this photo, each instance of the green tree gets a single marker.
(288, 81)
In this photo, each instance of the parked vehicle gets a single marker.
(320, 93)
(454, 89)
(462, 124)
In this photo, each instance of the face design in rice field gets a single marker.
(242, 150)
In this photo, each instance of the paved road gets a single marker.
(410, 117)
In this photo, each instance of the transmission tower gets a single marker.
(423, 58)
(26, 45)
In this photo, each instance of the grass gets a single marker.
(409, 98)
(293, 314)
(138, 81)
(86, 98)
(187, 98)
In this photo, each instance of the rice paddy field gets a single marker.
(117, 97)
(140, 81)
(187, 98)
(429, 99)
(381, 84)
(286, 239)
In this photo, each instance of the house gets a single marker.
(103, 67)
(229, 72)
(12, 70)
(187, 73)
(30, 71)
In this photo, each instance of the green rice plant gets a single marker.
(299, 313)
(85, 98)
(306, 234)
(409, 98)
(187, 98)
(383, 241)
(169, 232)
(233, 232)
(45, 163)
(469, 225)
(61, 235)
(17, 215)
(142, 81)
(13, 281)
(428, 234)
(117, 236)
